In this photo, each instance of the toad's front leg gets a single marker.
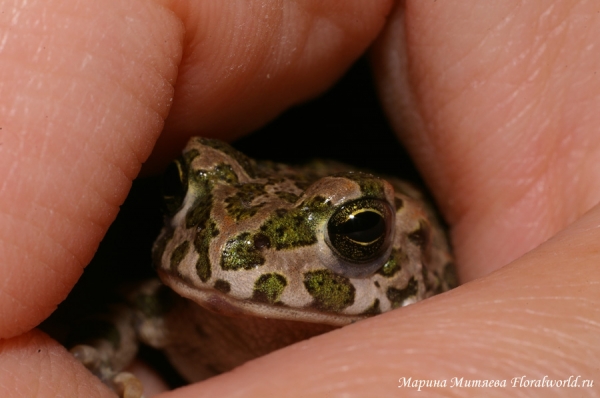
(106, 343)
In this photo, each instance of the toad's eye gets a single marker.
(174, 186)
(360, 231)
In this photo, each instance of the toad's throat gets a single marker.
(223, 304)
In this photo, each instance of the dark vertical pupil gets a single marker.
(364, 227)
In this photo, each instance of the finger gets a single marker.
(244, 62)
(534, 318)
(85, 87)
(35, 365)
(500, 117)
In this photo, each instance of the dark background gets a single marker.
(346, 123)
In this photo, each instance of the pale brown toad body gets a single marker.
(265, 255)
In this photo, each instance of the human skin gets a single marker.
(497, 102)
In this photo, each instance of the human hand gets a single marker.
(482, 127)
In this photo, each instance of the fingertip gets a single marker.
(90, 88)
(35, 365)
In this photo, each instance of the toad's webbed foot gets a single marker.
(125, 384)
(106, 344)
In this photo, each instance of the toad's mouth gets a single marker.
(223, 304)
